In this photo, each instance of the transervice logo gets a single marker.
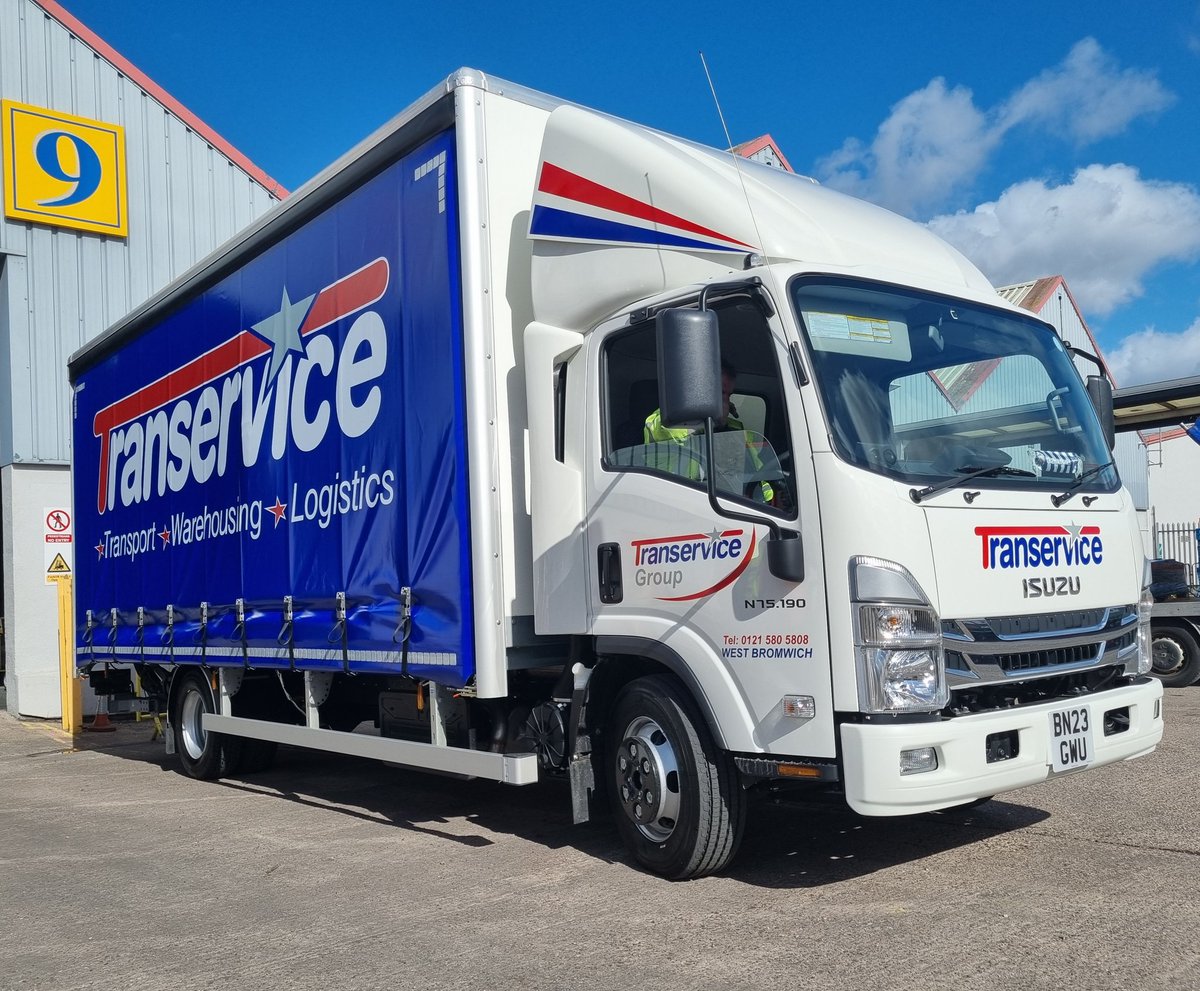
(253, 386)
(1005, 547)
(64, 170)
(673, 564)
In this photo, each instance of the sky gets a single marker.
(1055, 137)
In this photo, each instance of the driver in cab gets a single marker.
(657, 434)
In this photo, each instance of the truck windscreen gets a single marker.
(923, 388)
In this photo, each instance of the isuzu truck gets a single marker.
(527, 441)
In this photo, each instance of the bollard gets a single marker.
(70, 688)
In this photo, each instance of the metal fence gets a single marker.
(1179, 542)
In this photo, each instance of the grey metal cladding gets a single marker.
(185, 198)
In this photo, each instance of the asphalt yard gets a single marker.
(118, 872)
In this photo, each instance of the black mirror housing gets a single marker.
(1099, 391)
(785, 556)
(689, 367)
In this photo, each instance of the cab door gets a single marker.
(679, 582)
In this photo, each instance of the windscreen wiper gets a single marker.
(1058, 500)
(969, 472)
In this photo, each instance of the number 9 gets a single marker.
(84, 182)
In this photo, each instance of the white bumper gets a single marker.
(871, 752)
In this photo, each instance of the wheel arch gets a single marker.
(177, 676)
(639, 656)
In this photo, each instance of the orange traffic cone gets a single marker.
(100, 722)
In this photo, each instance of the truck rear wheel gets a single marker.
(203, 754)
(1175, 655)
(678, 803)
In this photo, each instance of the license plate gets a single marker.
(1072, 743)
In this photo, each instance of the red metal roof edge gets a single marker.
(755, 145)
(1088, 330)
(1157, 436)
(1039, 295)
(139, 78)
(1040, 292)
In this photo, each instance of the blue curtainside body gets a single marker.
(296, 429)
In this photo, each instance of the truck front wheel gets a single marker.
(1175, 655)
(203, 754)
(678, 803)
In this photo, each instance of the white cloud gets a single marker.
(1088, 96)
(1104, 231)
(936, 141)
(1152, 355)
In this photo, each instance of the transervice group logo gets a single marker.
(1055, 546)
(253, 388)
(63, 170)
(677, 565)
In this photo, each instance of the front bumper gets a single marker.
(871, 752)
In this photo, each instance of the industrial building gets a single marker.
(111, 190)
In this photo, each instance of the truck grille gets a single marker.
(1048, 624)
(989, 650)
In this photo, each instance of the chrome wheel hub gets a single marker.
(191, 729)
(648, 779)
(1166, 656)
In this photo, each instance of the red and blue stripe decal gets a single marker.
(553, 222)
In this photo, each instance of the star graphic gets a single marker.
(165, 536)
(1074, 530)
(278, 510)
(99, 551)
(282, 330)
(715, 535)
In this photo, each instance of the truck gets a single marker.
(525, 442)
(1175, 623)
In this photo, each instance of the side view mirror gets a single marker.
(689, 395)
(689, 367)
(1099, 391)
(785, 556)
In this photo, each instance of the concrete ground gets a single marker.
(118, 872)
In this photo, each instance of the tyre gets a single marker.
(203, 755)
(679, 806)
(1175, 654)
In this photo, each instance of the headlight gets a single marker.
(1145, 659)
(902, 666)
(906, 680)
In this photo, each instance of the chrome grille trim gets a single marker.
(987, 651)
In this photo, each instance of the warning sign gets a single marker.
(58, 541)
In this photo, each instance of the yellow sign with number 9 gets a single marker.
(63, 170)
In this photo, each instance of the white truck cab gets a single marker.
(906, 563)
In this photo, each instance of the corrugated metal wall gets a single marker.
(65, 287)
(1058, 309)
(1129, 453)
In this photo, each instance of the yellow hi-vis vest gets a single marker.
(684, 464)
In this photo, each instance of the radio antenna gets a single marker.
(741, 179)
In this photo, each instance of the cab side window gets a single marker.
(751, 441)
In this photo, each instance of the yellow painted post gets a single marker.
(72, 689)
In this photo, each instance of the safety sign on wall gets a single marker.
(59, 543)
(63, 170)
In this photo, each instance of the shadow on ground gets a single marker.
(787, 845)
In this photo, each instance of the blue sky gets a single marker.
(1040, 138)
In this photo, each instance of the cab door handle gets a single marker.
(608, 558)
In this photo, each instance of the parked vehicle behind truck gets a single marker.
(1174, 624)
(377, 478)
